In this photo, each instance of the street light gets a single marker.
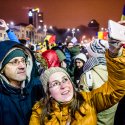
(51, 27)
(68, 29)
(11, 25)
(45, 29)
(39, 27)
(102, 29)
(73, 32)
(77, 30)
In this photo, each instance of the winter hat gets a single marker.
(61, 55)
(97, 48)
(81, 56)
(45, 76)
(13, 54)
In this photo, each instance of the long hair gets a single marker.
(74, 106)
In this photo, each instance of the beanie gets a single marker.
(13, 54)
(61, 55)
(81, 56)
(97, 48)
(46, 75)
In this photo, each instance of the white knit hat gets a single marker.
(45, 76)
(81, 56)
(97, 48)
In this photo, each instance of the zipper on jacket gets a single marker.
(22, 93)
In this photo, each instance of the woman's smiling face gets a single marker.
(60, 87)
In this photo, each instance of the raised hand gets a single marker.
(3, 24)
(115, 45)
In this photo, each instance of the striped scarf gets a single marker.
(92, 62)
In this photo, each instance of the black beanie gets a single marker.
(13, 54)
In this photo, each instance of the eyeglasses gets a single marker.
(16, 62)
(56, 83)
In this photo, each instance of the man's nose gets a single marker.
(21, 64)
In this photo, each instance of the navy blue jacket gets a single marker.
(16, 104)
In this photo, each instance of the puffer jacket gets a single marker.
(99, 75)
(15, 103)
(94, 102)
(51, 58)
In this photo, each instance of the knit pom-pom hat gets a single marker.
(97, 48)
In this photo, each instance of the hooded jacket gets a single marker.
(51, 58)
(16, 103)
(94, 102)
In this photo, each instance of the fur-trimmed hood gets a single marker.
(7, 46)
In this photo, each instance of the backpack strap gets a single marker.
(89, 79)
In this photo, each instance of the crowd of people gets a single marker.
(64, 85)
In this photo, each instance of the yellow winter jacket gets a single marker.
(94, 102)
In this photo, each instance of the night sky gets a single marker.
(63, 13)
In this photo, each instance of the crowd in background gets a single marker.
(86, 66)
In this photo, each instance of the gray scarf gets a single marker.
(92, 62)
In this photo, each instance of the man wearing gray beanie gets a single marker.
(20, 86)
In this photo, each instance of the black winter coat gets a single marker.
(16, 104)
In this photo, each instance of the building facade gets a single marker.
(28, 32)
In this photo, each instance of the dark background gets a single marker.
(63, 13)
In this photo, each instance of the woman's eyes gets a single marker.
(54, 84)
(64, 80)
